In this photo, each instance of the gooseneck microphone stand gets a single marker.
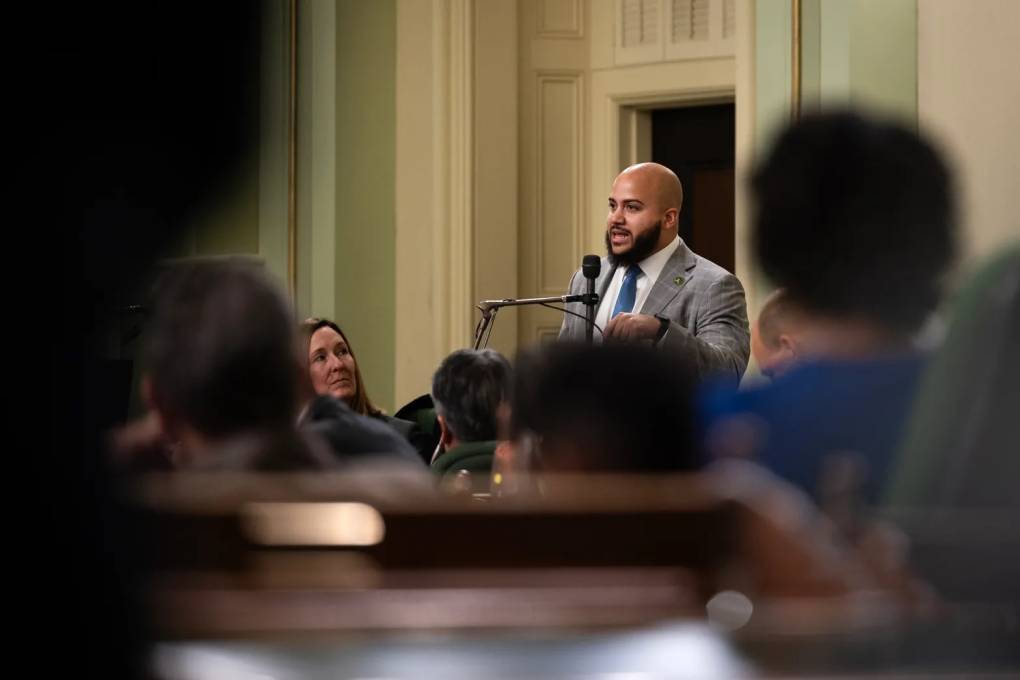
(591, 265)
(488, 308)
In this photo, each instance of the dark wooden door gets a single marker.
(697, 143)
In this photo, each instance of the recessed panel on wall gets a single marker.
(561, 19)
(559, 176)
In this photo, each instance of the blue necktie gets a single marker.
(628, 291)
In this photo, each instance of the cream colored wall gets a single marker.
(553, 85)
(860, 53)
(496, 119)
(345, 177)
(364, 294)
(745, 100)
(456, 179)
(772, 68)
(969, 96)
(857, 52)
(316, 159)
(883, 57)
(763, 107)
(418, 333)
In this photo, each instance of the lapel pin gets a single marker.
(677, 280)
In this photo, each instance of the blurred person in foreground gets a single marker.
(626, 409)
(468, 389)
(960, 447)
(605, 408)
(333, 371)
(125, 162)
(222, 371)
(653, 288)
(855, 220)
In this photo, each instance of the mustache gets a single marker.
(643, 245)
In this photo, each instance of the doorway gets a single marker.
(698, 144)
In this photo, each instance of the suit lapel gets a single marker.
(674, 276)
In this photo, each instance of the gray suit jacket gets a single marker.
(704, 304)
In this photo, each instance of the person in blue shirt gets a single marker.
(855, 221)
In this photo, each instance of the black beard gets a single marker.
(644, 245)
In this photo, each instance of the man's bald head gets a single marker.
(662, 181)
(774, 334)
(777, 312)
(644, 212)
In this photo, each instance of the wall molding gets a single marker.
(576, 80)
(575, 30)
(454, 31)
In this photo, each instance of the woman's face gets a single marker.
(331, 365)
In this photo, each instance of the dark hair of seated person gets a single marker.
(856, 218)
(220, 349)
(606, 408)
(468, 388)
(223, 370)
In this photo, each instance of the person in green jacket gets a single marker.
(468, 388)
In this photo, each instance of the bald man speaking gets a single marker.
(653, 287)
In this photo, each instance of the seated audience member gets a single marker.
(631, 409)
(959, 450)
(349, 437)
(354, 437)
(422, 412)
(775, 342)
(468, 389)
(855, 221)
(221, 360)
(605, 408)
(953, 487)
(334, 371)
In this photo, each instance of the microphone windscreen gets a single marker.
(591, 265)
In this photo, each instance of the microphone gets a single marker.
(591, 265)
(590, 268)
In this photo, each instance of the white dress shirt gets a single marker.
(650, 267)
